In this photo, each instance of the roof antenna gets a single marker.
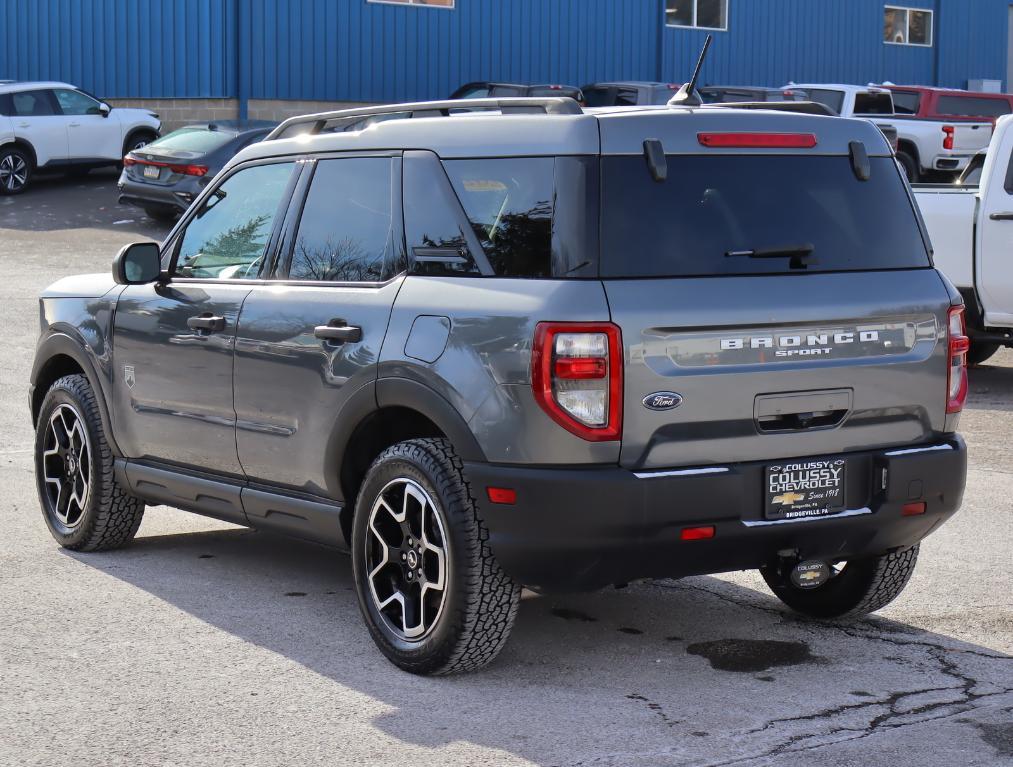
(688, 95)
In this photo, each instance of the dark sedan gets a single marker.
(165, 176)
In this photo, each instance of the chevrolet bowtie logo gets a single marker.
(789, 498)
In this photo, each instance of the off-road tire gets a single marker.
(481, 600)
(862, 587)
(980, 352)
(111, 515)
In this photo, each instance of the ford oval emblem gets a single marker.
(662, 400)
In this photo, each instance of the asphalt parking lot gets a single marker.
(205, 643)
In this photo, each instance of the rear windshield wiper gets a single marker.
(799, 254)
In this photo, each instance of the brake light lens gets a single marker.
(758, 140)
(948, 130)
(577, 377)
(184, 170)
(704, 533)
(958, 344)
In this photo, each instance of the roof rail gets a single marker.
(805, 107)
(316, 123)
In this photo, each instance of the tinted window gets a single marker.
(433, 220)
(506, 91)
(33, 103)
(970, 106)
(194, 139)
(626, 97)
(509, 204)
(76, 103)
(832, 99)
(229, 235)
(5, 104)
(906, 102)
(713, 206)
(873, 104)
(598, 97)
(345, 234)
(475, 92)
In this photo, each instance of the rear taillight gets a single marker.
(958, 345)
(577, 376)
(128, 161)
(948, 130)
(185, 170)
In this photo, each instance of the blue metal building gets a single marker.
(366, 50)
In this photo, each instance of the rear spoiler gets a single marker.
(805, 107)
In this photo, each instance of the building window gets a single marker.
(701, 14)
(427, 3)
(907, 26)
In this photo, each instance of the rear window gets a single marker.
(964, 106)
(193, 140)
(714, 210)
(873, 104)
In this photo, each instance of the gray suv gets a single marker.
(515, 343)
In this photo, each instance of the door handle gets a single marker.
(209, 322)
(74, 125)
(24, 125)
(339, 331)
(1008, 216)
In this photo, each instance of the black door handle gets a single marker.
(1002, 216)
(338, 331)
(210, 322)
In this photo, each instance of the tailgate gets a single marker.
(971, 137)
(780, 366)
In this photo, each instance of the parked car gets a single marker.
(504, 349)
(971, 227)
(949, 104)
(729, 94)
(629, 93)
(165, 176)
(485, 89)
(55, 126)
(924, 147)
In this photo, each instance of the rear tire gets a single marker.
(861, 587)
(910, 166)
(84, 506)
(431, 592)
(980, 352)
(16, 170)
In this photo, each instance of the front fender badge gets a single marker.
(662, 400)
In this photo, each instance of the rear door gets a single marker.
(789, 305)
(36, 118)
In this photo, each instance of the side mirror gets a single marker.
(104, 109)
(137, 264)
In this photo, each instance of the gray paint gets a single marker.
(428, 338)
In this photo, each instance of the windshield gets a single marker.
(193, 139)
(755, 214)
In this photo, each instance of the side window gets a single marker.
(906, 102)
(832, 99)
(76, 103)
(5, 104)
(509, 203)
(33, 104)
(228, 238)
(433, 219)
(346, 230)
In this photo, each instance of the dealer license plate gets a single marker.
(803, 489)
(152, 171)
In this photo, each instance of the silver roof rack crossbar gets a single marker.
(318, 123)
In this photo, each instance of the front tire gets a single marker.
(84, 506)
(432, 594)
(15, 171)
(861, 587)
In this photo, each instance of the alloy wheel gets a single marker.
(13, 172)
(406, 559)
(66, 465)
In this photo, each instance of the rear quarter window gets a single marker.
(713, 210)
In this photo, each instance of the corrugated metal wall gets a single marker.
(354, 50)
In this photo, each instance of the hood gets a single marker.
(81, 286)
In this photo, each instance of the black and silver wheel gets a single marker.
(433, 596)
(138, 140)
(83, 505)
(855, 587)
(15, 171)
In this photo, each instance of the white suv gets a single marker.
(55, 126)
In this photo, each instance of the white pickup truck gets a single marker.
(923, 146)
(971, 228)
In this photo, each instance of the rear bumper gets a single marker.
(952, 162)
(177, 196)
(576, 529)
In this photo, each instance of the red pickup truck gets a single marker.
(947, 104)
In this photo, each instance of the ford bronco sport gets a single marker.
(512, 343)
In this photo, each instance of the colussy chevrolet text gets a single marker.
(502, 343)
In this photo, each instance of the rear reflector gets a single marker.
(758, 140)
(697, 533)
(504, 495)
(913, 509)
